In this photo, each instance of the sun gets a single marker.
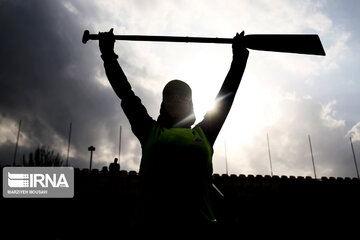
(211, 107)
(202, 106)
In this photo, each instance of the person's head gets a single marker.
(177, 106)
(116, 160)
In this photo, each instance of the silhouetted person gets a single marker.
(176, 164)
(104, 170)
(114, 167)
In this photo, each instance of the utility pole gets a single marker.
(268, 142)
(91, 149)
(119, 144)
(352, 147)
(312, 156)
(67, 158)
(17, 142)
(226, 163)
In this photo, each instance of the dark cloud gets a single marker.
(48, 79)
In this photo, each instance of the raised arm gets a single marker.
(134, 110)
(214, 120)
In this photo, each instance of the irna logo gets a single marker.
(20, 180)
(35, 182)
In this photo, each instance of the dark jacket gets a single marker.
(173, 193)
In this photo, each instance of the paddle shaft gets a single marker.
(291, 43)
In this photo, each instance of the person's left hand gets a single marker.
(107, 42)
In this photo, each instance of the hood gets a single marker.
(164, 119)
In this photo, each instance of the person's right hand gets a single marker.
(238, 46)
(106, 42)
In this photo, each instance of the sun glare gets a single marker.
(211, 106)
(204, 107)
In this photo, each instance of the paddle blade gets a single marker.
(289, 43)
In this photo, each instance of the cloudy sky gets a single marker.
(48, 79)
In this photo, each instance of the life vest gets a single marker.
(176, 172)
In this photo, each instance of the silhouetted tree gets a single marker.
(43, 156)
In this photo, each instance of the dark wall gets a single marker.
(105, 202)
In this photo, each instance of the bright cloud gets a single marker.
(328, 115)
(9, 130)
(289, 144)
(354, 132)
